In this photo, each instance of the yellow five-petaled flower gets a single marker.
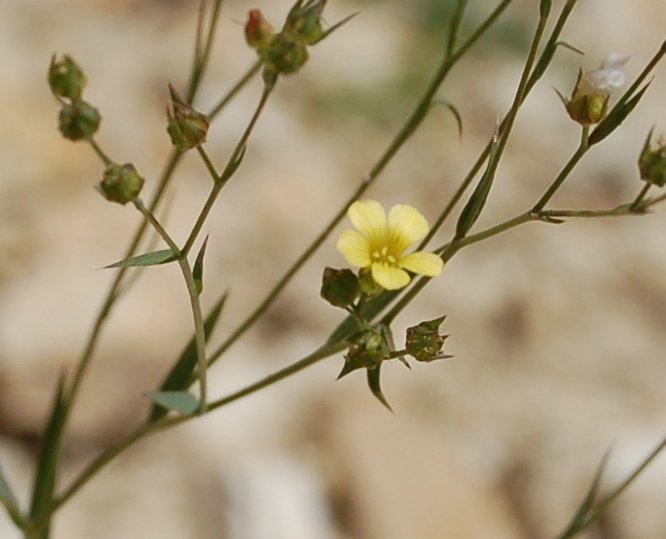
(378, 244)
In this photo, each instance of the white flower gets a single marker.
(604, 80)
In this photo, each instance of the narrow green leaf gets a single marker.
(47, 461)
(578, 520)
(9, 501)
(197, 270)
(375, 386)
(179, 376)
(182, 402)
(477, 201)
(616, 117)
(454, 110)
(148, 259)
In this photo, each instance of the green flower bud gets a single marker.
(424, 341)
(284, 54)
(121, 183)
(652, 161)
(187, 127)
(367, 349)
(304, 21)
(78, 121)
(258, 31)
(339, 287)
(66, 78)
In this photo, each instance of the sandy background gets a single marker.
(557, 331)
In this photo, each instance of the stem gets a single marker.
(639, 198)
(201, 57)
(240, 84)
(199, 335)
(454, 27)
(98, 150)
(221, 179)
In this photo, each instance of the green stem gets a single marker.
(454, 27)
(201, 57)
(639, 198)
(199, 335)
(221, 179)
(240, 84)
(100, 153)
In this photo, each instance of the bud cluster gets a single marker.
(286, 51)
(78, 119)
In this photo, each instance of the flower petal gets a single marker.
(389, 277)
(355, 248)
(369, 218)
(406, 225)
(428, 264)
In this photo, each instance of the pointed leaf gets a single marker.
(47, 461)
(8, 499)
(616, 117)
(477, 201)
(454, 110)
(375, 386)
(583, 511)
(154, 258)
(337, 25)
(182, 402)
(197, 270)
(179, 376)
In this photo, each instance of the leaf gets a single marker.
(197, 270)
(153, 258)
(179, 376)
(9, 501)
(454, 110)
(182, 402)
(583, 511)
(375, 387)
(477, 201)
(47, 461)
(616, 117)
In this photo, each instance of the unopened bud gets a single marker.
(652, 161)
(187, 127)
(121, 183)
(424, 342)
(305, 22)
(284, 54)
(367, 349)
(66, 78)
(258, 31)
(78, 121)
(339, 287)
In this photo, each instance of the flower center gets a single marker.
(383, 256)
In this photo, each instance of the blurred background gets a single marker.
(557, 331)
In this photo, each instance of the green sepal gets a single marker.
(616, 116)
(47, 460)
(197, 270)
(8, 499)
(375, 386)
(154, 258)
(579, 519)
(182, 402)
(454, 110)
(178, 378)
(477, 201)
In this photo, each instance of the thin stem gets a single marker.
(199, 335)
(412, 123)
(209, 164)
(639, 198)
(228, 172)
(201, 57)
(100, 153)
(240, 84)
(454, 27)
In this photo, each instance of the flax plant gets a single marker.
(387, 275)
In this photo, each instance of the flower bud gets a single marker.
(589, 100)
(304, 22)
(652, 161)
(66, 78)
(339, 287)
(78, 121)
(367, 349)
(284, 54)
(121, 183)
(187, 127)
(424, 341)
(258, 31)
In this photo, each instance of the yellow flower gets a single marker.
(379, 245)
